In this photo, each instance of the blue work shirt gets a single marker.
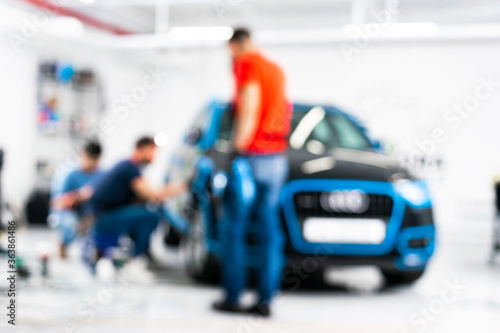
(58, 180)
(77, 179)
(114, 188)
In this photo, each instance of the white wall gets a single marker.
(17, 122)
(403, 92)
(400, 90)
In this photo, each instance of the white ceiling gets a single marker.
(142, 16)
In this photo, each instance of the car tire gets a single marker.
(172, 237)
(395, 277)
(199, 263)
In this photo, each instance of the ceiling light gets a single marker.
(414, 29)
(401, 30)
(161, 139)
(200, 33)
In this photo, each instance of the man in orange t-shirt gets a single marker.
(262, 123)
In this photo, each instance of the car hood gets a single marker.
(345, 164)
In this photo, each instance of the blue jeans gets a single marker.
(135, 220)
(269, 173)
(66, 222)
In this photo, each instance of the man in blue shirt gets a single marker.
(70, 199)
(119, 202)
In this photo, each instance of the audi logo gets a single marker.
(345, 201)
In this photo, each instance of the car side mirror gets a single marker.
(378, 145)
(193, 136)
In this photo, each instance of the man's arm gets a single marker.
(246, 120)
(144, 191)
(68, 196)
(173, 188)
(70, 199)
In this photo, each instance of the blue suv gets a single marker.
(344, 203)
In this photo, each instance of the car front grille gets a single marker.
(307, 204)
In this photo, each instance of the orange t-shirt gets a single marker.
(274, 113)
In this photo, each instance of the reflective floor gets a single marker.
(459, 293)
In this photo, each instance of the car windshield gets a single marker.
(316, 131)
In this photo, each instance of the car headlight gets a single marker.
(414, 192)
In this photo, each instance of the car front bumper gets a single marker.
(409, 241)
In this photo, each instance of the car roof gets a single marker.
(305, 107)
(297, 107)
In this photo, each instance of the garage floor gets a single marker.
(353, 301)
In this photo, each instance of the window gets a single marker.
(325, 131)
(199, 124)
(197, 131)
(349, 136)
(315, 130)
(226, 126)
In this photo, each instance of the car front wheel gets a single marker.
(200, 264)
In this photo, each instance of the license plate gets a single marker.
(342, 230)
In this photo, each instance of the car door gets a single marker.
(184, 159)
(223, 146)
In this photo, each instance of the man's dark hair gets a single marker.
(144, 141)
(239, 35)
(93, 149)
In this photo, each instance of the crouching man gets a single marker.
(69, 205)
(119, 204)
